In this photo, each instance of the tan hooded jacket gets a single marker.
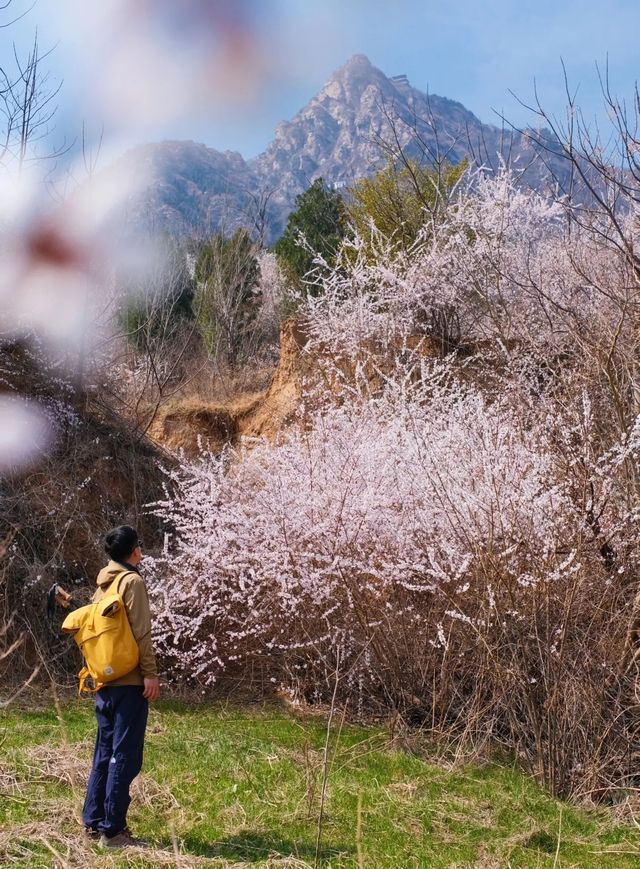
(136, 602)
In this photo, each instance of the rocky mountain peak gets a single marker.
(353, 79)
(358, 70)
(357, 66)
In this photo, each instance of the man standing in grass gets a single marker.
(122, 706)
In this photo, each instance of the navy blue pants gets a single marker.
(117, 759)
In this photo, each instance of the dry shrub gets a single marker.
(99, 473)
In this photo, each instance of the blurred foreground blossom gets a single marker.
(57, 259)
(25, 432)
(166, 60)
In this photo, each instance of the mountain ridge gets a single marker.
(339, 135)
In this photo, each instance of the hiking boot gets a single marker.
(91, 834)
(123, 839)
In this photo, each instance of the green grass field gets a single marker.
(227, 786)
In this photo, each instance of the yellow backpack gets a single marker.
(104, 636)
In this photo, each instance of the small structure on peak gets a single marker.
(400, 80)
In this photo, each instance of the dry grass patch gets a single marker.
(71, 764)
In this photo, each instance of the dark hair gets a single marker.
(120, 542)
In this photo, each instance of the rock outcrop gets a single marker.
(195, 426)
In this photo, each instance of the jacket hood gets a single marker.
(109, 573)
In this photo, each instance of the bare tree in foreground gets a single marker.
(28, 106)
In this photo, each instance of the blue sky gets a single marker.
(473, 51)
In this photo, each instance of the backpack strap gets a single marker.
(115, 585)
